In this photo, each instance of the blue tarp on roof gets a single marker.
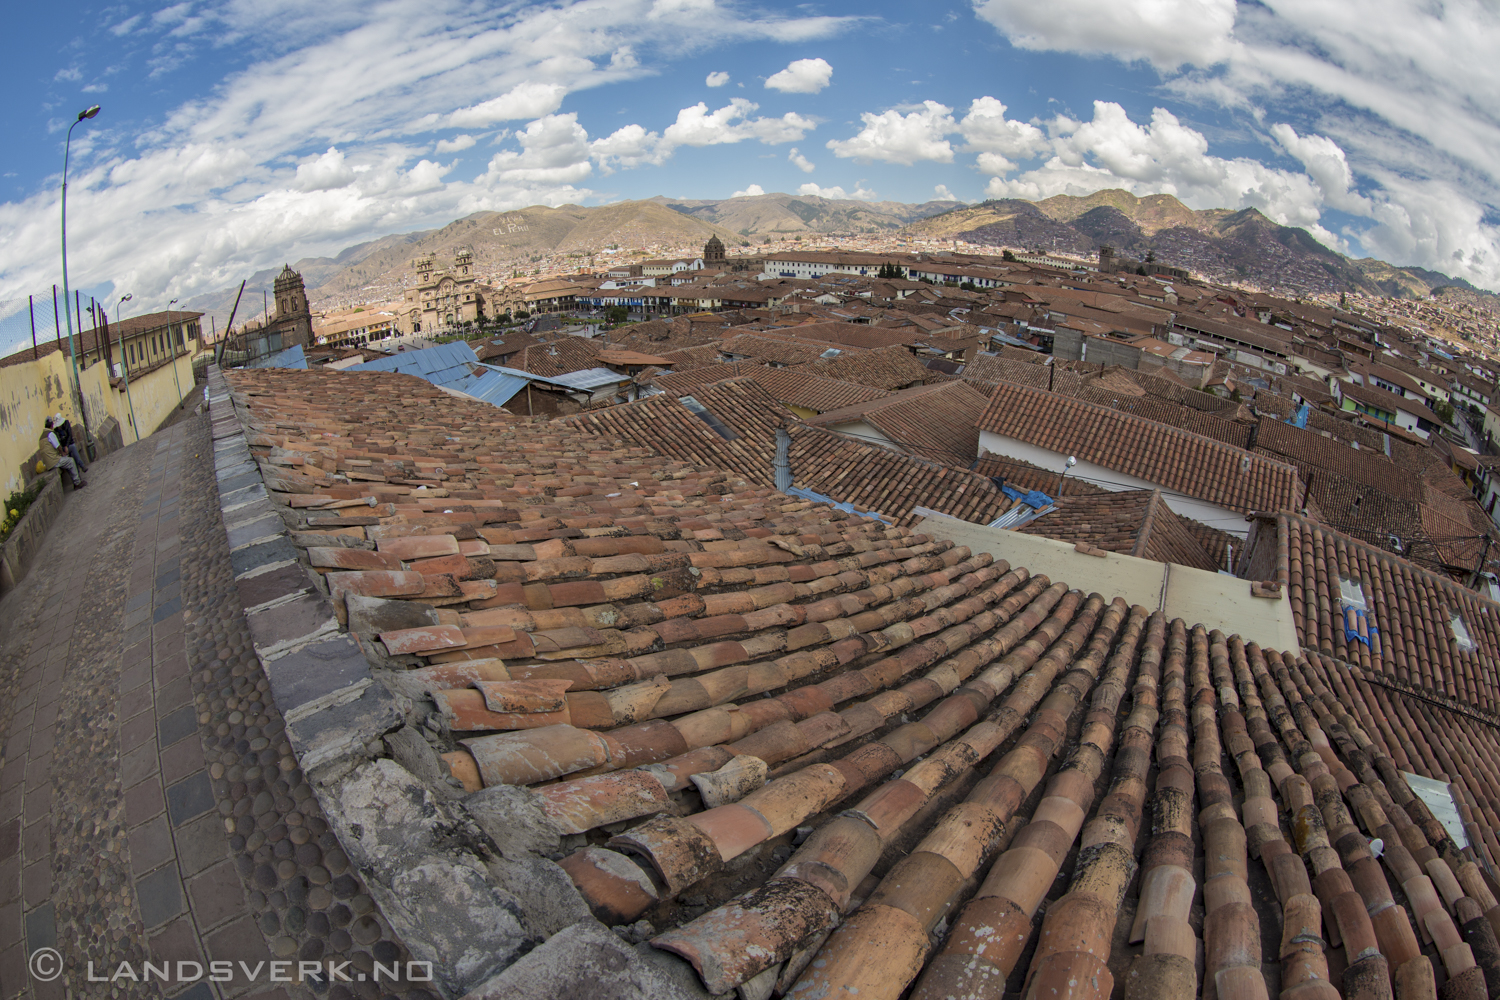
(806, 494)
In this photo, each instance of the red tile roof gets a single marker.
(1172, 459)
(933, 421)
(578, 606)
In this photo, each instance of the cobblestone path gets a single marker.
(151, 810)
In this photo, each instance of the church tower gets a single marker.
(713, 253)
(291, 297)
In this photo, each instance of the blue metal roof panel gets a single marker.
(490, 387)
(590, 378)
(292, 357)
(441, 365)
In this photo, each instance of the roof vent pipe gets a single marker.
(783, 466)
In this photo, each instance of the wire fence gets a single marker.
(39, 319)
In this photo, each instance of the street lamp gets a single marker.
(172, 349)
(125, 365)
(88, 112)
(1064, 474)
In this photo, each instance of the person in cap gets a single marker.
(64, 431)
(53, 457)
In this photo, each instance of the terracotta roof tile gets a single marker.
(791, 734)
(933, 421)
(1172, 459)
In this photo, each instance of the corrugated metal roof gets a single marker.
(490, 386)
(292, 357)
(589, 378)
(443, 364)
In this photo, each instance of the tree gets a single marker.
(1007, 255)
(891, 271)
(617, 314)
(968, 286)
(1443, 410)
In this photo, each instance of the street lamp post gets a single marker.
(88, 112)
(172, 347)
(1064, 474)
(125, 365)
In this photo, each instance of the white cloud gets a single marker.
(317, 141)
(1328, 167)
(631, 146)
(894, 137)
(70, 74)
(753, 191)
(801, 76)
(837, 193)
(997, 138)
(941, 193)
(697, 126)
(455, 144)
(324, 173)
(1163, 156)
(554, 150)
(1398, 93)
(717, 78)
(801, 162)
(1166, 33)
(526, 100)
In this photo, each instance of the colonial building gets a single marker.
(140, 343)
(289, 326)
(443, 298)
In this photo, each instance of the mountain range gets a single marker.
(1223, 244)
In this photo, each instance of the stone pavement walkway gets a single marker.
(151, 811)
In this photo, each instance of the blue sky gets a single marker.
(236, 134)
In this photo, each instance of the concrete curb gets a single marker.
(26, 539)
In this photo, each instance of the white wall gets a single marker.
(1214, 516)
(865, 433)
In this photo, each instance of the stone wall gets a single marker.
(25, 541)
(466, 882)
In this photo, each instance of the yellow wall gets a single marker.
(33, 391)
(154, 395)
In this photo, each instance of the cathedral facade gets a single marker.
(443, 298)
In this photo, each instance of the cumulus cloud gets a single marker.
(717, 78)
(893, 137)
(801, 76)
(324, 173)
(455, 144)
(554, 150)
(1399, 93)
(940, 192)
(697, 126)
(836, 192)
(631, 146)
(318, 140)
(753, 191)
(1163, 156)
(997, 138)
(801, 162)
(1166, 33)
